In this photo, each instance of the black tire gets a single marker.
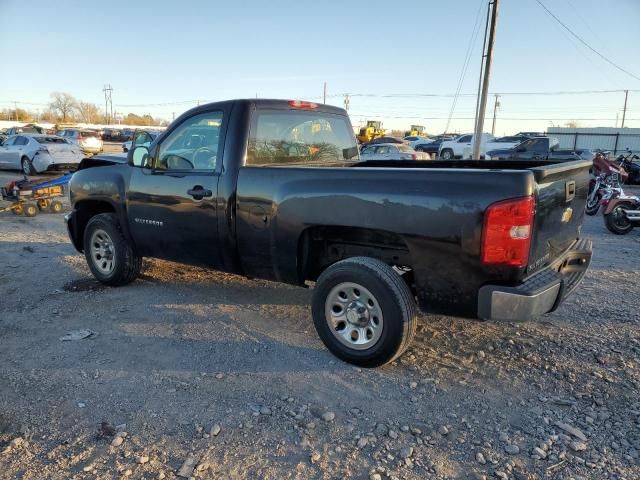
(30, 209)
(591, 210)
(395, 301)
(127, 264)
(27, 166)
(616, 222)
(446, 154)
(56, 206)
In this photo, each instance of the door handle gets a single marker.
(198, 192)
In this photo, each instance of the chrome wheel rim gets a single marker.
(102, 252)
(353, 315)
(25, 167)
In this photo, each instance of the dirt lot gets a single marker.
(227, 375)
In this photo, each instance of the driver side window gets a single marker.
(193, 145)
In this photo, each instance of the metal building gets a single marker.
(604, 138)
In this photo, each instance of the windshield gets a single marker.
(50, 140)
(405, 148)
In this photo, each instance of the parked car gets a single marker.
(414, 140)
(387, 139)
(87, 140)
(392, 151)
(31, 128)
(430, 147)
(276, 190)
(144, 139)
(539, 148)
(39, 153)
(126, 134)
(512, 139)
(110, 134)
(462, 147)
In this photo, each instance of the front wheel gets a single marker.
(364, 311)
(446, 154)
(616, 221)
(593, 205)
(109, 255)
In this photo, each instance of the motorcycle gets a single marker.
(633, 168)
(621, 213)
(607, 179)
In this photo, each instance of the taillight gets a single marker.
(414, 156)
(302, 104)
(506, 236)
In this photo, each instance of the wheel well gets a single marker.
(322, 246)
(84, 211)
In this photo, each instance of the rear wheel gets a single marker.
(616, 221)
(447, 154)
(27, 166)
(109, 255)
(56, 206)
(364, 311)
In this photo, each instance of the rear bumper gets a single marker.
(539, 294)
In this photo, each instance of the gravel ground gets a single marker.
(194, 373)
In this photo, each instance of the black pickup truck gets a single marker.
(275, 189)
(540, 148)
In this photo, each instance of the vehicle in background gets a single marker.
(372, 130)
(517, 139)
(140, 138)
(631, 163)
(36, 153)
(431, 147)
(3, 135)
(110, 134)
(531, 134)
(228, 186)
(416, 131)
(461, 147)
(378, 141)
(539, 148)
(126, 134)
(415, 140)
(87, 140)
(392, 151)
(30, 128)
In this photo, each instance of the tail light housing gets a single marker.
(507, 231)
(414, 156)
(302, 104)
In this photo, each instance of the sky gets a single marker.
(164, 57)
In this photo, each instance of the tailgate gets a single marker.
(562, 191)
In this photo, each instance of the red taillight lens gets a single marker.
(414, 156)
(506, 237)
(301, 104)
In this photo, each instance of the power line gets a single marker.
(585, 43)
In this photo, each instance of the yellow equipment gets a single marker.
(372, 130)
(416, 131)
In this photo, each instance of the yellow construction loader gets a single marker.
(372, 130)
(416, 131)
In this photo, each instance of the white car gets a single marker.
(39, 153)
(88, 140)
(392, 151)
(462, 147)
(417, 140)
(144, 138)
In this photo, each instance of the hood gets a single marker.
(102, 161)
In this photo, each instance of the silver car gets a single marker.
(88, 140)
(39, 153)
(392, 151)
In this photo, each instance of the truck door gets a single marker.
(171, 202)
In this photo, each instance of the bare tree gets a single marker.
(88, 112)
(64, 104)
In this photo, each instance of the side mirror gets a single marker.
(139, 157)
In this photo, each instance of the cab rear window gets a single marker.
(285, 137)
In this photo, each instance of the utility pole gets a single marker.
(496, 104)
(324, 93)
(624, 110)
(485, 74)
(108, 104)
(346, 102)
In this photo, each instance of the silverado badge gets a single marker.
(567, 214)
